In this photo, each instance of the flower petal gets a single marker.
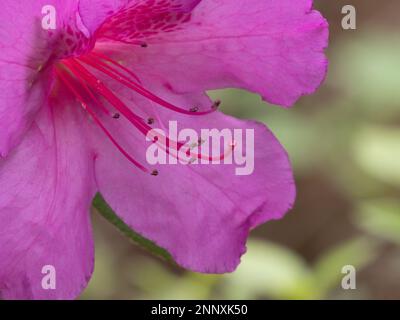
(274, 48)
(201, 214)
(18, 69)
(25, 53)
(46, 191)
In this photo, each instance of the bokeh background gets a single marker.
(344, 143)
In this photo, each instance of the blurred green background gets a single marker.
(344, 144)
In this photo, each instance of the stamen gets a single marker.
(116, 75)
(91, 85)
(79, 71)
(97, 101)
(63, 76)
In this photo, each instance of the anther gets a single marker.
(116, 116)
(154, 173)
(194, 109)
(216, 104)
(197, 144)
(150, 121)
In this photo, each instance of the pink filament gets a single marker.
(63, 75)
(116, 75)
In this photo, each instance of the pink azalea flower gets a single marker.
(77, 101)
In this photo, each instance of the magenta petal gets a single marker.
(274, 48)
(25, 51)
(201, 214)
(18, 104)
(46, 191)
(21, 92)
